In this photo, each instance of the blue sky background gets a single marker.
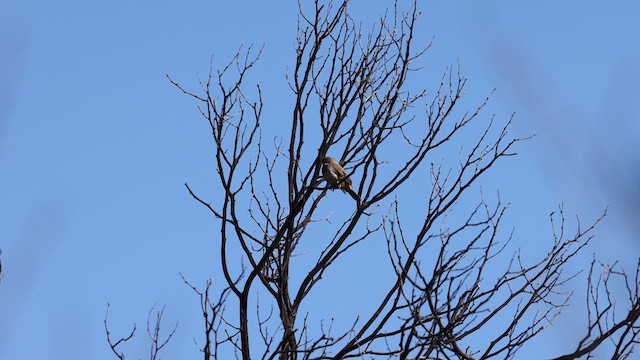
(95, 145)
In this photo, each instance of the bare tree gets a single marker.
(458, 291)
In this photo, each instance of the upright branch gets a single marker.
(153, 331)
(115, 344)
(156, 342)
(620, 329)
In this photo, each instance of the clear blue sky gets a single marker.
(95, 145)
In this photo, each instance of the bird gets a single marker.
(336, 177)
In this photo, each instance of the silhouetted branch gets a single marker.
(153, 330)
(154, 335)
(623, 334)
(114, 345)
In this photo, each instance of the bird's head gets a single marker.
(327, 159)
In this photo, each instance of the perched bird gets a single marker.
(336, 177)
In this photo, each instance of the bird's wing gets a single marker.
(345, 180)
(341, 172)
(332, 172)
